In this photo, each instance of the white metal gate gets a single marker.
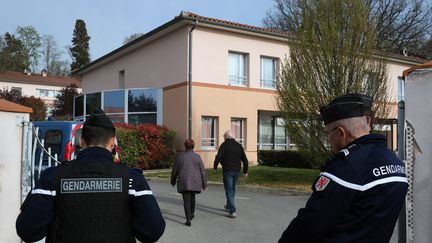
(32, 162)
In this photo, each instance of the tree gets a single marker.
(12, 95)
(63, 105)
(400, 24)
(12, 54)
(331, 54)
(131, 38)
(80, 45)
(31, 42)
(51, 57)
(38, 106)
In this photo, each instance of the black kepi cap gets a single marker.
(99, 119)
(346, 106)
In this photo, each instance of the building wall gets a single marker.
(175, 113)
(418, 112)
(210, 54)
(10, 174)
(226, 102)
(160, 63)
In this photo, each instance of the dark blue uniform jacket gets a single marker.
(357, 197)
(38, 210)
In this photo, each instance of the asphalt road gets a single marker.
(262, 215)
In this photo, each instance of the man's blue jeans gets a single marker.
(230, 179)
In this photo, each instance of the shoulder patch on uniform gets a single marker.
(322, 183)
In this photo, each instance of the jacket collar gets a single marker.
(95, 153)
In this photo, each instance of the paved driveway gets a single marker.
(262, 215)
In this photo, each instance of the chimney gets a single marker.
(44, 73)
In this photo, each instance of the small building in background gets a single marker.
(38, 85)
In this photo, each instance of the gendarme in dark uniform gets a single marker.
(360, 191)
(91, 199)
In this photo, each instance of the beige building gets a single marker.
(37, 85)
(230, 71)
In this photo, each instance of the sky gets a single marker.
(108, 22)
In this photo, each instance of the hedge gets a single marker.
(146, 146)
(288, 158)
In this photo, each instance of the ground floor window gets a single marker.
(272, 134)
(134, 106)
(209, 132)
(238, 130)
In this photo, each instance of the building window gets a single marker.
(142, 106)
(134, 106)
(238, 130)
(401, 89)
(268, 72)
(209, 132)
(114, 105)
(272, 133)
(18, 90)
(237, 69)
(46, 93)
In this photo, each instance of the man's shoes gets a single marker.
(226, 208)
(188, 224)
(232, 215)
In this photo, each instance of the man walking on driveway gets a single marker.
(230, 154)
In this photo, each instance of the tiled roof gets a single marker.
(412, 69)
(13, 107)
(185, 14)
(38, 79)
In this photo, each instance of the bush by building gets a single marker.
(146, 146)
(288, 158)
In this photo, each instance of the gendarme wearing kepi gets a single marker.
(99, 119)
(346, 106)
(360, 190)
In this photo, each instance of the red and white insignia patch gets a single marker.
(322, 183)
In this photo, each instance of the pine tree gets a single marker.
(80, 45)
(63, 105)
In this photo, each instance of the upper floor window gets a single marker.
(18, 90)
(268, 72)
(46, 93)
(208, 134)
(237, 69)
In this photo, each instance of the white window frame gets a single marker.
(238, 77)
(213, 139)
(269, 83)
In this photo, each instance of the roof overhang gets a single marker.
(425, 65)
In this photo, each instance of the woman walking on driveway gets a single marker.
(188, 171)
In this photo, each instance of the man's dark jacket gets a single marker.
(230, 154)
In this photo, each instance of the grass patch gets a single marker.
(266, 176)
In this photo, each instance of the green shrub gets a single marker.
(288, 158)
(146, 146)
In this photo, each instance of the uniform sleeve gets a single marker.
(147, 222)
(219, 156)
(322, 212)
(38, 211)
